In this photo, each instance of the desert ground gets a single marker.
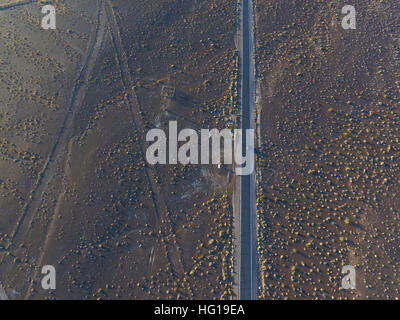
(77, 193)
(328, 169)
(76, 190)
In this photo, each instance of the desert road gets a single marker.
(248, 235)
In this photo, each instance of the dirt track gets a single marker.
(57, 154)
(14, 4)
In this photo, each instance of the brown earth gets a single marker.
(76, 190)
(328, 164)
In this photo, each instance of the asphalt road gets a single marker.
(248, 241)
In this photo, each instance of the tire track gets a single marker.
(82, 87)
(51, 165)
(11, 5)
(48, 171)
(134, 110)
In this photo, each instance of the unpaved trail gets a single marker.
(15, 4)
(64, 135)
(51, 166)
(134, 111)
(66, 132)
